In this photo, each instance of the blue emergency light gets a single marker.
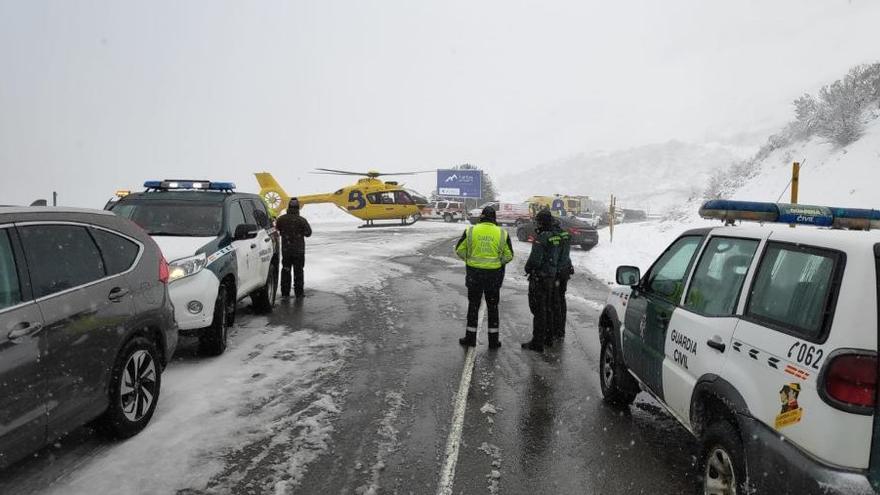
(819, 216)
(204, 185)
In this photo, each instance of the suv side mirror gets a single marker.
(246, 231)
(628, 275)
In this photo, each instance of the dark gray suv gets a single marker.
(86, 326)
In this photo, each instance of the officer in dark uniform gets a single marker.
(541, 269)
(485, 249)
(564, 271)
(293, 229)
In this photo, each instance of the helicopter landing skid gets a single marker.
(405, 222)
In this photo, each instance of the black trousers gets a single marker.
(541, 304)
(484, 284)
(560, 308)
(297, 262)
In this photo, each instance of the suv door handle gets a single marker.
(716, 344)
(24, 329)
(117, 293)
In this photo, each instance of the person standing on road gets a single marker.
(293, 229)
(485, 249)
(564, 271)
(541, 268)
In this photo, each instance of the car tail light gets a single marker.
(574, 231)
(851, 380)
(163, 270)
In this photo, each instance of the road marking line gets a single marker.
(447, 474)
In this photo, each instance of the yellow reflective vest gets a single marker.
(485, 246)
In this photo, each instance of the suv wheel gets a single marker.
(723, 460)
(587, 247)
(610, 377)
(134, 389)
(521, 234)
(212, 341)
(447, 218)
(264, 297)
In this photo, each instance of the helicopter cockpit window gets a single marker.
(383, 198)
(402, 198)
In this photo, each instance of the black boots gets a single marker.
(494, 343)
(533, 345)
(469, 339)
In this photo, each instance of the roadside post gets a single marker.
(795, 179)
(611, 211)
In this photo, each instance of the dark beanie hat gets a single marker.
(544, 218)
(294, 204)
(488, 214)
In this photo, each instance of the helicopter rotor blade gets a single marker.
(407, 173)
(330, 171)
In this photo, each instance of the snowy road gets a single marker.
(352, 391)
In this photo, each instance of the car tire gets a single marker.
(447, 218)
(264, 297)
(610, 377)
(723, 460)
(212, 341)
(587, 247)
(134, 389)
(521, 234)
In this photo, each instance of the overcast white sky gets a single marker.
(100, 95)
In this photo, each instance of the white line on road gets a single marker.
(447, 474)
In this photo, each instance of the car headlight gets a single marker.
(185, 267)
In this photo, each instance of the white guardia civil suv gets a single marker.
(762, 342)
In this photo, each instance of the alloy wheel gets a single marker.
(138, 388)
(720, 478)
(607, 367)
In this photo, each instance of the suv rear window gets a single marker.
(175, 218)
(793, 289)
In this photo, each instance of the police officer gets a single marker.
(294, 229)
(486, 249)
(564, 271)
(541, 268)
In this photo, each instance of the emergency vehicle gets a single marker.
(762, 342)
(506, 213)
(448, 211)
(221, 246)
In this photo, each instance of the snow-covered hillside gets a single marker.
(833, 176)
(653, 177)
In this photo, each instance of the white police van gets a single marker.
(761, 341)
(221, 246)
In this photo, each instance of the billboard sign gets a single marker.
(460, 183)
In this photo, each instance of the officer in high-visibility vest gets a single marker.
(486, 249)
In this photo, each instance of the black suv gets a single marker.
(220, 245)
(582, 234)
(86, 325)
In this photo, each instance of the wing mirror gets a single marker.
(628, 275)
(246, 231)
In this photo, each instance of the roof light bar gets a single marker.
(820, 216)
(174, 184)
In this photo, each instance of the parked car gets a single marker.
(505, 213)
(591, 218)
(86, 326)
(762, 342)
(582, 234)
(448, 211)
(221, 246)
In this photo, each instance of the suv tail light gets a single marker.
(850, 382)
(163, 270)
(574, 231)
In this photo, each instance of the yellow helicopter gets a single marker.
(370, 199)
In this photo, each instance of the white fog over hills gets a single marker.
(654, 177)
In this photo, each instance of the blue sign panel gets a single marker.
(460, 183)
